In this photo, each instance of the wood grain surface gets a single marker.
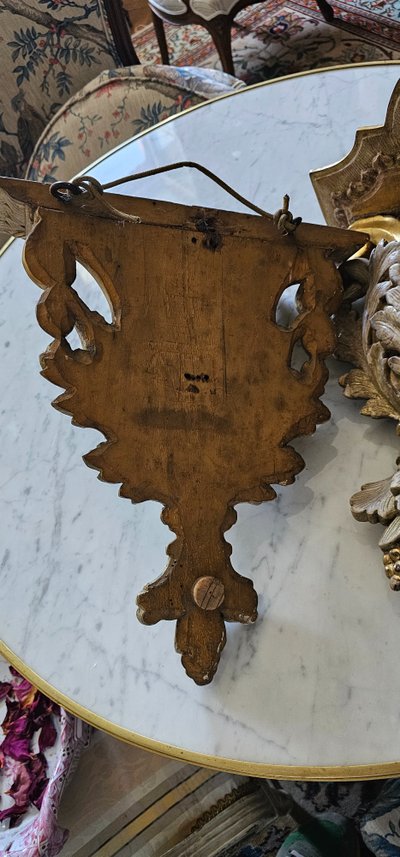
(193, 382)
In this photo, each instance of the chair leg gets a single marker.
(326, 10)
(158, 25)
(220, 32)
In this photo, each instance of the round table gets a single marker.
(312, 690)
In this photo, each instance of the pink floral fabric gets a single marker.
(36, 832)
(113, 108)
(42, 836)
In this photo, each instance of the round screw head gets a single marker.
(208, 592)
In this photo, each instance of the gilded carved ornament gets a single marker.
(363, 192)
(371, 342)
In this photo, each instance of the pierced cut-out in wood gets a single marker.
(192, 382)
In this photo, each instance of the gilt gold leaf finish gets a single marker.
(371, 341)
(366, 182)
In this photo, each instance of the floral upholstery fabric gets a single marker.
(49, 49)
(113, 108)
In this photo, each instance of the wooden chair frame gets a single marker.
(218, 27)
(120, 27)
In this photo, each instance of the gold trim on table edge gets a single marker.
(233, 766)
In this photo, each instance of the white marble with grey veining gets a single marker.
(316, 681)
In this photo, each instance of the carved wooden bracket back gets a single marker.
(192, 382)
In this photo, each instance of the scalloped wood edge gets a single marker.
(192, 369)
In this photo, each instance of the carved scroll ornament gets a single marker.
(362, 191)
(366, 182)
(371, 341)
(192, 382)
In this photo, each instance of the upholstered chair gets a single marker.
(217, 16)
(115, 106)
(49, 50)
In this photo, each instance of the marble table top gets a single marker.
(313, 688)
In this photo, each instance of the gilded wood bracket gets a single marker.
(362, 191)
(371, 341)
(192, 383)
(366, 182)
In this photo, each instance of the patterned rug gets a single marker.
(280, 37)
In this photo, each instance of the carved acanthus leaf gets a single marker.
(373, 342)
(374, 502)
(393, 297)
(395, 483)
(386, 324)
(357, 385)
(391, 535)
